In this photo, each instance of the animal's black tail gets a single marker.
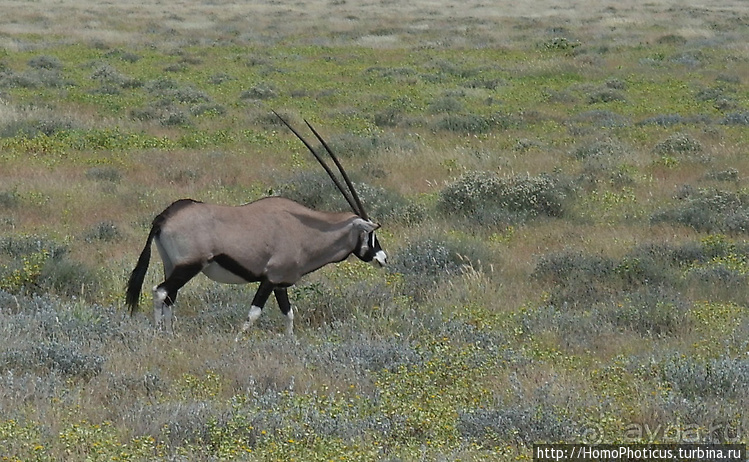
(135, 283)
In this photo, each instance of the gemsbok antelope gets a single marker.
(273, 241)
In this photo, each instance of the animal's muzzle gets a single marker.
(380, 259)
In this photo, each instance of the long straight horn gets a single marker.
(351, 203)
(350, 185)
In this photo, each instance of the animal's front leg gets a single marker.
(258, 302)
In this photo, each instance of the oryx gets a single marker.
(273, 241)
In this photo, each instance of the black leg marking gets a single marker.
(179, 277)
(258, 302)
(262, 294)
(283, 300)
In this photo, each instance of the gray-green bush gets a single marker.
(710, 210)
(487, 199)
(427, 261)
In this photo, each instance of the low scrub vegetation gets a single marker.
(563, 200)
(710, 210)
(487, 199)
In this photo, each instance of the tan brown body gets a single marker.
(273, 238)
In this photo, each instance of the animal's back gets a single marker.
(253, 232)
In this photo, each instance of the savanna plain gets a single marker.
(562, 188)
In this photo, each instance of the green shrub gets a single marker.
(597, 118)
(542, 417)
(736, 118)
(446, 104)
(488, 84)
(322, 303)
(710, 210)
(717, 268)
(173, 103)
(678, 144)
(664, 120)
(728, 175)
(598, 149)
(428, 261)
(105, 231)
(671, 39)
(367, 146)
(429, 258)
(178, 424)
(487, 199)
(575, 329)
(646, 279)
(19, 246)
(68, 359)
(174, 118)
(389, 117)
(220, 78)
(366, 354)
(208, 109)
(144, 114)
(605, 95)
(693, 378)
(70, 278)
(653, 311)
(560, 44)
(180, 175)
(602, 158)
(576, 277)
(53, 356)
(395, 114)
(108, 174)
(161, 86)
(720, 273)
(37, 265)
(190, 95)
(129, 57)
(10, 199)
(579, 278)
(473, 123)
(32, 127)
(260, 92)
(107, 75)
(35, 78)
(45, 62)
(352, 145)
(319, 303)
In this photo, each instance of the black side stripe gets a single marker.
(234, 267)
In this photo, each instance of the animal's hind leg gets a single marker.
(282, 297)
(159, 303)
(165, 294)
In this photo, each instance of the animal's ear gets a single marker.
(365, 225)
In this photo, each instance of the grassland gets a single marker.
(563, 195)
